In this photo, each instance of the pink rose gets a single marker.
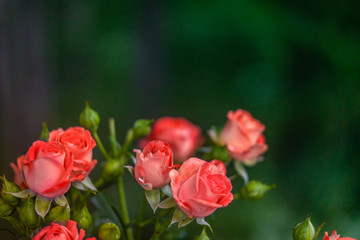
(334, 236)
(80, 144)
(59, 232)
(200, 187)
(153, 165)
(182, 136)
(47, 167)
(18, 177)
(243, 137)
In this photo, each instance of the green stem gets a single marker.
(140, 218)
(124, 210)
(160, 228)
(129, 138)
(101, 146)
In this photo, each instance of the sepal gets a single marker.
(203, 235)
(153, 198)
(167, 203)
(201, 221)
(240, 169)
(42, 205)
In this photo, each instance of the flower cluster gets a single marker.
(178, 169)
(49, 168)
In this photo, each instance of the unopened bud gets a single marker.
(203, 235)
(27, 213)
(142, 127)
(5, 209)
(111, 170)
(7, 188)
(89, 118)
(44, 132)
(58, 214)
(254, 191)
(109, 231)
(83, 218)
(219, 153)
(304, 230)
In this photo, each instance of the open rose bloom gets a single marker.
(59, 232)
(182, 136)
(243, 137)
(200, 187)
(334, 236)
(153, 165)
(80, 144)
(47, 167)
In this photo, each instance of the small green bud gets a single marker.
(58, 214)
(254, 191)
(109, 231)
(27, 213)
(111, 170)
(304, 230)
(10, 187)
(89, 118)
(219, 153)
(83, 218)
(44, 132)
(5, 209)
(142, 127)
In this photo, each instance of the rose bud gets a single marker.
(111, 170)
(80, 144)
(58, 231)
(18, 176)
(153, 165)
(58, 214)
(254, 191)
(5, 209)
(182, 136)
(334, 236)
(200, 187)
(83, 217)
(142, 127)
(109, 231)
(27, 213)
(304, 230)
(7, 188)
(89, 118)
(47, 167)
(243, 137)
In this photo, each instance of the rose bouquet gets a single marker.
(184, 176)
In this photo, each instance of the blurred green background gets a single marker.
(293, 65)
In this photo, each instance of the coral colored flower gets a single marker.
(182, 136)
(80, 144)
(153, 165)
(243, 137)
(334, 236)
(47, 167)
(200, 187)
(18, 177)
(59, 232)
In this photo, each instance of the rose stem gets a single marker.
(140, 218)
(123, 207)
(100, 145)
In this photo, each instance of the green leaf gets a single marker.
(240, 169)
(203, 235)
(167, 203)
(42, 205)
(153, 198)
